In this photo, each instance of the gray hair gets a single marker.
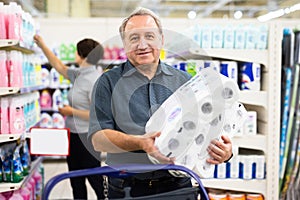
(137, 12)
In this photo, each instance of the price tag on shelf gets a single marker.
(49, 141)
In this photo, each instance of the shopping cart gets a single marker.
(125, 171)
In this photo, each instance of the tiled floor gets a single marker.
(62, 190)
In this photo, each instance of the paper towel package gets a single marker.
(202, 109)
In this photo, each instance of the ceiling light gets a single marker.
(192, 14)
(238, 14)
(278, 13)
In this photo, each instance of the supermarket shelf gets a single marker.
(9, 137)
(258, 142)
(31, 88)
(8, 90)
(246, 55)
(253, 186)
(14, 45)
(4, 187)
(258, 98)
(13, 90)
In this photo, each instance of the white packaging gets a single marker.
(247, 166)
(229, 69)
(214, 64)
(221, 170)
(260, 166)
(234, 166)
(217, 37)
(228, 38)
(206, 37)
(250, 125)
(201, 110)
(240, 37)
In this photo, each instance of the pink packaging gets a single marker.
(3, 69)
(32, 183)
(38, 184)
(14, 68)
(46, 99)
(4, 116)
(16, 116)
(2, 22)
(16, 196)
(13, 21)
(26, 193)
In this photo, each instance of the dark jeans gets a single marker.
(143, 187)
(82, 156)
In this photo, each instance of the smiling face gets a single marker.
(142, 40)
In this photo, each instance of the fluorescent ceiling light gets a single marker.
(278, 13)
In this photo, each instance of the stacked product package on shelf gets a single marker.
(202, 109)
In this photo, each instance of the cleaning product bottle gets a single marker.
(4, 116)
(58, 120)
(46, 121)
(3, 70)
(57, 100)
(45, 99)
(16, 116)
(13, 21)
(3, 35)
(54, 78)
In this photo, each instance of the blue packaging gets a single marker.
(229, 69)
(215, 64)
(249, 76)
(182, 66)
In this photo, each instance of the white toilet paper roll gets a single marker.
(204, 169)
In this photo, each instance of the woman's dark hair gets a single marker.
(91, 50)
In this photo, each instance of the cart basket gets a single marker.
(128, 170)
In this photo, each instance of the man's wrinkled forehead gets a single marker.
(142, 31)
(142, 21)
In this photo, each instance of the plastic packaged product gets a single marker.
(16, 116)
(4, 115)
(58, 120)
(63, 52)
(46, 121)
(25, 193)
(25, 158)
(3, 34)
(236, 196)
(250, 76)
(17, 173)
(254, 197)
(46, 99)
(54, 78)
(14, 67)
(13, 21)
(57, 100)
(38, 184)
(16, 195)
(3, 69)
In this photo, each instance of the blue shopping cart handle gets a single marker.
(121, 170)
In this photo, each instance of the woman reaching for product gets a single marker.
(82, 154)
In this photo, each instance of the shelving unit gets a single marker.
(14, 45)
(9, 45)
(4, 187)
(267, 101)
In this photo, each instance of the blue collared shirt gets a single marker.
(123, 99)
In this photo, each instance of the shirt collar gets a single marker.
(129, 69)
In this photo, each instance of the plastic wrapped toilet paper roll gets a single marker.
(178, 140)
(204, 169)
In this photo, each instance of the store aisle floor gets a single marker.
(62, 190)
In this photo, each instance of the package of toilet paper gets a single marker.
(202, 109)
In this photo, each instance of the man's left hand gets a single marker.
(219, 150)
